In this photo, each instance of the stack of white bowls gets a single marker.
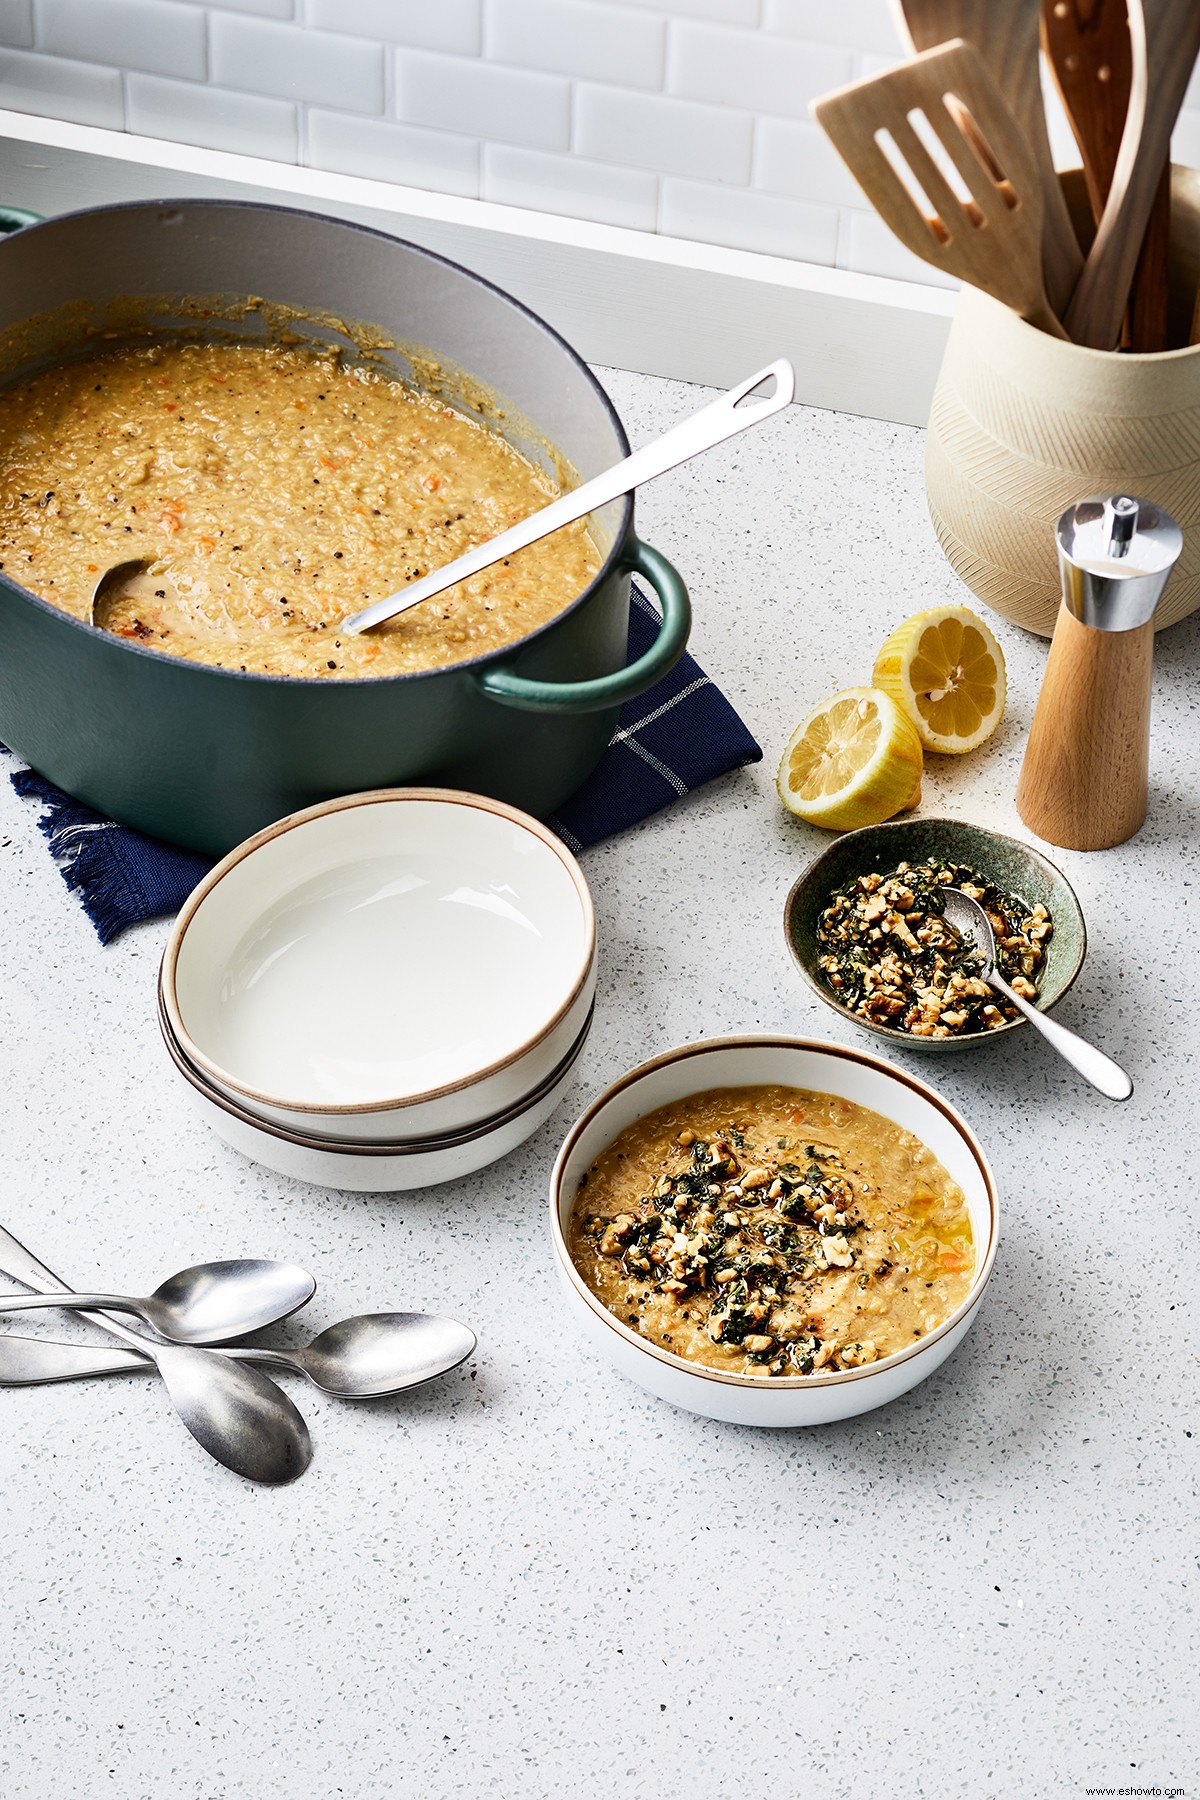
(384, 992)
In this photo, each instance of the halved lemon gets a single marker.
(854, 761)
(946, 670)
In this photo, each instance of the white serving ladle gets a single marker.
(721, 419)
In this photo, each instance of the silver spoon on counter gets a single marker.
(237, 1414)
(374, 1354)
(968, 919)
(206, 1305)
(357, 1359)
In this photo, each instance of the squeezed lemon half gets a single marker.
(946, 670)
(855, 760)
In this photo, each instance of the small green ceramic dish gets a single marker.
(1012, 865)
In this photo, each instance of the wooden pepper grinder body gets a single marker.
(1084, 779)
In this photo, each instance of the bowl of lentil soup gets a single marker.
(773, 1230)
(862, 924)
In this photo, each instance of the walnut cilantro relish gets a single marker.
(887, 953)
(771, 1231)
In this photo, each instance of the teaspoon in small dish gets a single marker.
(968, 919)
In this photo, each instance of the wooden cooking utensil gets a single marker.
(1088, 48)
(1084, 780)
(992, 240)
(1090, 54)
(1006, 34)
(1164, 39)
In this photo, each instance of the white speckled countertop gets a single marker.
(532, 1579)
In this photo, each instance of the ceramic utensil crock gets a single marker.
(1022, 424)
(1084, 778)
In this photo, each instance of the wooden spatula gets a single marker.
(993, 239)
(1006, 35)
(1164, 38)
(1090, 54)
(1088, 48)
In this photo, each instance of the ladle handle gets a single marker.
(1108, 1077)
(722, 418)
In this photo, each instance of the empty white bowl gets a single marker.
(373, 1168)
(791, 1062)
(396, 964)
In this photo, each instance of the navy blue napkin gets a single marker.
(674, 738)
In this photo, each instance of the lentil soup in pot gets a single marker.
(274, 491)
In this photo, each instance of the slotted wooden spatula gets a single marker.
(1006, 35)
(993, 238)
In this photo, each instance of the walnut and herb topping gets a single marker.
(888, 954)
(739, 1236)
(772, 1231)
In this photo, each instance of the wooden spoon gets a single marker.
(1164, 40)
(1005, 33)
(1088, 47)
(993, 239)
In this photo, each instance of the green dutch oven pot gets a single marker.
(203, 756)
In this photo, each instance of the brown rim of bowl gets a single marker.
(426, 1146)
(889, 1032)
(372, 797)
(765, 1383)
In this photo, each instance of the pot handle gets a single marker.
(624, 684)
(13, 218)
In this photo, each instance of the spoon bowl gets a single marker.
(239, 1416)
(220, 1300)
(108, 589)
(374, 1354)
(208, 1304)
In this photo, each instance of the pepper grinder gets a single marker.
(1084, 779)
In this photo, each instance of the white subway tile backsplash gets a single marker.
(58, 88)
(186, 113)
(266, 9)
(676, 137)
(791, 157)
(159, 36)
(859, 24)
(684, 116)
(483, 101)
(454, 25)
(570, 186)
(385, 152)
(260, 57)
(16, 23)
(726, 12)
(751, 70)
(866, 245)
(748, 221)
(577, 39)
